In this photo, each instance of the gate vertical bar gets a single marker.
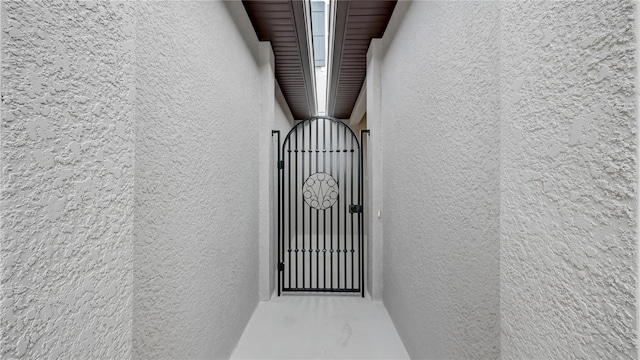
(317, 217)
(331, 219)
(340, 200)
(310, 250)
(346, 206)
(310, 208)
(302, 205)
(279, 215)
(288, 207)
(295, 213)
(353, 285)
(324, 212)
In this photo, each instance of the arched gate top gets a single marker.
(311, 119)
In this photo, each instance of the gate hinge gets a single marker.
(355, 209)
(281, 164)
(281, 266)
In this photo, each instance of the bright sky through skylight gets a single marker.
(319, 17)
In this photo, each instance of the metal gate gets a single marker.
(320, 209)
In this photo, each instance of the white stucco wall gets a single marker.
(275, 115)
(67, 180)
(568, 180)
(375, 170)
(266, 227)
(547, 91)
(83, 85)
(197, 179)
(439, 115)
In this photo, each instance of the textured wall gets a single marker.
(67, 180)
(266, 222)
(375, 162)
(283, 121)
(440, 107)
(274, 115)
(568, 173)
(196, 251)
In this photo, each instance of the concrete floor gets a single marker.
(320, 327)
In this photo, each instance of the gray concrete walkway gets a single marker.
(320, 327)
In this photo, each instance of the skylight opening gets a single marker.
(319, 29)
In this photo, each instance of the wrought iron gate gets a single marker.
(320, 209)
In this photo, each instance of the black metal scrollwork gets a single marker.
(320, 191)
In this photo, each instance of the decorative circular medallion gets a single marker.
(320, 191)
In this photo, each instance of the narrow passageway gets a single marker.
(162, 174)
(320, 327)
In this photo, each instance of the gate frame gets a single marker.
(361, 212)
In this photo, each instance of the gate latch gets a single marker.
(281, 164)
(355, 209)
(281, 266)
